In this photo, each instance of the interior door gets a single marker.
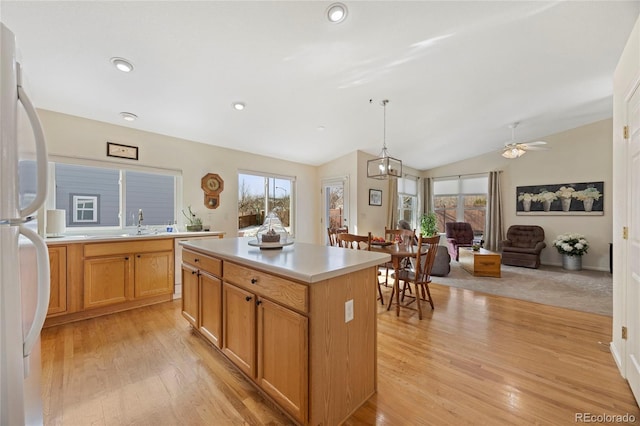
(633, 246)
(335, 201)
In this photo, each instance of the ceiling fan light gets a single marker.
(512, 153)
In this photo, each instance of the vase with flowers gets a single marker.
(565, 193)
(546, 197)
(588, 196)
(194, 223)
(526, 198)
(572, 247)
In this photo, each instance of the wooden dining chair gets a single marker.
(335, 231)
(420, 273)
(396, 235)
(358, 242)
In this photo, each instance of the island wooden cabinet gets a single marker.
(58, 280)
(286, 332)
(202, 294)
(264, 337)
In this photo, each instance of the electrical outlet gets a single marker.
(348, 310)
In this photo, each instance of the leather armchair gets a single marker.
(459, 234)
(523, 246)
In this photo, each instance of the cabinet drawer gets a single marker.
(126, 247)
(205, 263)
(285, 292)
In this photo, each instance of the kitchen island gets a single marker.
(299, 322)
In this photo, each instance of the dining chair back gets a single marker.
(358, 242)
(399, 235)
(353, 241)
(335, 231)
(420, 273)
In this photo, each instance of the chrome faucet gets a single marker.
(140, 219)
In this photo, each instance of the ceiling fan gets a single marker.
(514, 150)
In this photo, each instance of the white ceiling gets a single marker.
(455, 73)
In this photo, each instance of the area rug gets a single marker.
(586, 290)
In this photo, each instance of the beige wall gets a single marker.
(583, 154)
(363, 218)
(80, 138)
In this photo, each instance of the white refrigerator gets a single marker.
(24, 260)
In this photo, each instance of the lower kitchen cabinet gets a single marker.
(107, 280)
(202, 294)
(98, 278)
(190, 295)
(239, 328)
(283, 347)
(58, 280)
(153, 274)
(211, 308)
(117, 272)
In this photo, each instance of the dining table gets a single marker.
(399, 251)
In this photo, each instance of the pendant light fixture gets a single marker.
(384, 166)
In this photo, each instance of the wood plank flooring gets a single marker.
(476, 359)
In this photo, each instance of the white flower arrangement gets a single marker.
(571, 244)
(565, 192)
(526, 196)
(546, 196)
(588, 193)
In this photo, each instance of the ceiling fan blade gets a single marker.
(535, 143)
(528, 147)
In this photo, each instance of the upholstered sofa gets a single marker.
(523, 246)
(459, 234)
(442, 263)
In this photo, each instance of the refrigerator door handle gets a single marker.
(41, 149)
(42, 304)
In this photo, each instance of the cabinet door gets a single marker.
(153, 274)
(106, 281)
(58, 278)
(190, 295)
(239, 330)
(283, 357)
(211, 308)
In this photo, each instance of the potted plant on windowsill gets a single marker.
(194, 223)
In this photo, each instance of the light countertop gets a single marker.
(69, 239)
(304, 262)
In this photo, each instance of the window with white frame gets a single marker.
(408, 200)
(461, 199)
(84, 208)
(259, 194)
(103, 197)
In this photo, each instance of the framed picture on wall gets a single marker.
(584, 198)
(375, 197)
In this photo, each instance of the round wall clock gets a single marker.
(212, 184)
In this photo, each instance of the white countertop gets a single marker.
(68, 239)
(304, 262)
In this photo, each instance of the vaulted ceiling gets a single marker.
(456, 74)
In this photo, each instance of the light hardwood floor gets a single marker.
(476, 359)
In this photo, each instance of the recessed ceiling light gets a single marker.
(128, 116)
(238, 106)
(122, 64)
(337, 13)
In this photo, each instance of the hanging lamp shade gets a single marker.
(385, 166)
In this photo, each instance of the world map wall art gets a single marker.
(585, 198)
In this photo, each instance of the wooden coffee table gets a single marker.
(482, 263)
